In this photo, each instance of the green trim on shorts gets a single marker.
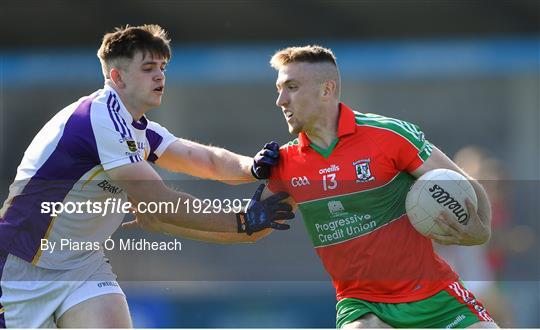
(441, 310)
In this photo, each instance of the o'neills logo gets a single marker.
(333, 168)
(442, 197)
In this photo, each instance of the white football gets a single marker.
(436, 191)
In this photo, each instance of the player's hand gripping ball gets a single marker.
(437, 191)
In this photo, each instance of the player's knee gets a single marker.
(366, 321)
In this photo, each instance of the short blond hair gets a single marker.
(323, 58)
(306, 54)
(125, 41)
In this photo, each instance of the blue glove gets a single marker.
(264, 160)
(263, 214)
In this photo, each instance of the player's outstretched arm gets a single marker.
(215, 163)
(207, 162)
(144, 185)
(205, 236)
(479, 228)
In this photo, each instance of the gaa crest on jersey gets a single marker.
(363, 172)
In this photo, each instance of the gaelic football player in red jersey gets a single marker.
(349, 173)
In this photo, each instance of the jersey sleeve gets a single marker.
(115, 143)
(158, 139)
(405, 144)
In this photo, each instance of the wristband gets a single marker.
(253, 172)
(242, 223)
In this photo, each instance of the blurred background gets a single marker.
(467, 72)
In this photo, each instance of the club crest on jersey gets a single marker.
(131, 145)
(363, 173)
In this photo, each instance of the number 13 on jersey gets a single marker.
(329, 181)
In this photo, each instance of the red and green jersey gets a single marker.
(352, 199)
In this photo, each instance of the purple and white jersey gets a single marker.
(67, 162)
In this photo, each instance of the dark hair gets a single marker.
(124, 42)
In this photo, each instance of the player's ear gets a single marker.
(116, 77)
(329, 88)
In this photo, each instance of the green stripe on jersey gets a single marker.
(409, 131)
(425, 151)
(340, 218)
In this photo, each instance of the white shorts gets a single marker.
(34, 297)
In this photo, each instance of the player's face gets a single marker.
(144, 80)
(299, 96)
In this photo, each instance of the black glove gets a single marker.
(263, 214)
(264, 160)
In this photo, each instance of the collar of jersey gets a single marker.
(140, 124)
(346, 126)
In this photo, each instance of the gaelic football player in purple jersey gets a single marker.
(98, 149)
